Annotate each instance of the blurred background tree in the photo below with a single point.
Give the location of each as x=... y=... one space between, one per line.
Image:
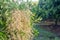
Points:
x=49 y=9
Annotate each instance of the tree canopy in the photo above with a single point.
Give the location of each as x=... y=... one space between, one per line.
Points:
x=49 y=9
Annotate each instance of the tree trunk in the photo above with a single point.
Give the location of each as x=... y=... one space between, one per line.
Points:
x=55 y=26
x=56 y=21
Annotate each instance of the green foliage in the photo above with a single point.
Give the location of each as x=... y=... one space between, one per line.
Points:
x=35 y=32
x=23 y=6
x=49 y=8
x=5 y=8
x=3 y=36
x=35 y=13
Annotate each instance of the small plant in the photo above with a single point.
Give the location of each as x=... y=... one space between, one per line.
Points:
x=15 y=22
